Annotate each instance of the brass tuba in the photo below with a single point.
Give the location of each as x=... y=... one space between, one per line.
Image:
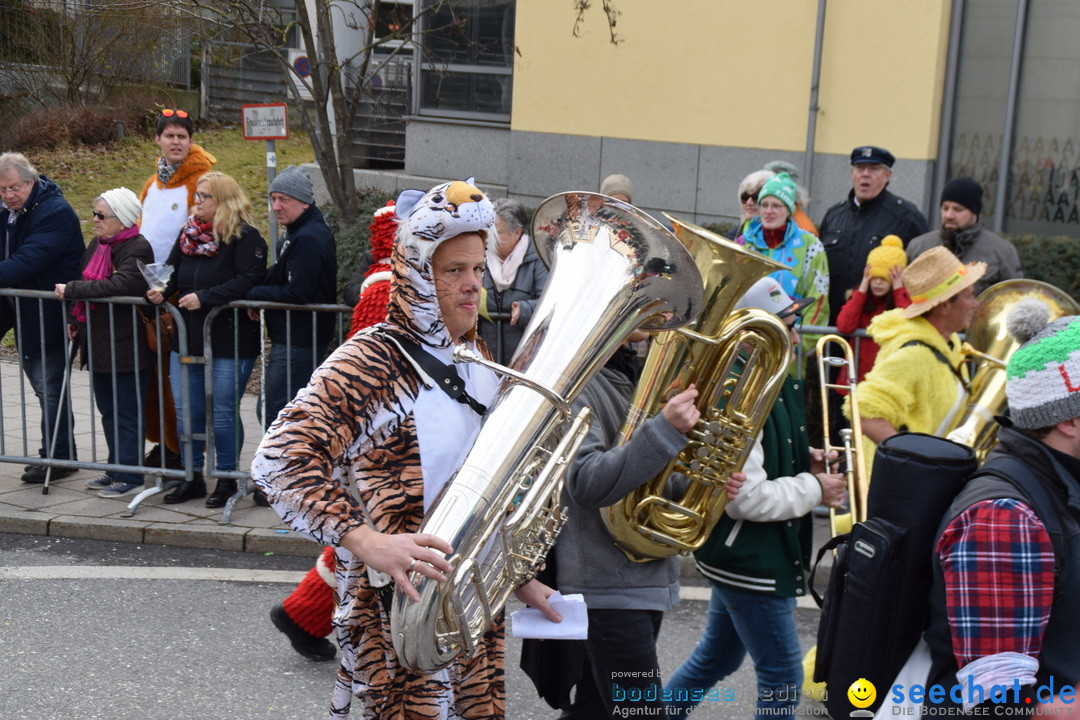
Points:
x=990 y=343
x=613 y=269
x=738 y=360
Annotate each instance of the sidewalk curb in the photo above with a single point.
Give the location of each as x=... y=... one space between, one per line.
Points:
x=209 y=536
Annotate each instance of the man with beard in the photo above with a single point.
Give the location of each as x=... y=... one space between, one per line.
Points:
x=964 y=235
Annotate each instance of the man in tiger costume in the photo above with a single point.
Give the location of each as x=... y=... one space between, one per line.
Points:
x=368 y=421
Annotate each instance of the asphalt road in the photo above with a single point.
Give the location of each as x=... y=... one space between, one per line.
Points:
x=112 y=631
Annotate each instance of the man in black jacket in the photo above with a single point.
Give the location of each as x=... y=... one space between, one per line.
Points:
x=305 y=272
x=854 y=227
x=41 y=244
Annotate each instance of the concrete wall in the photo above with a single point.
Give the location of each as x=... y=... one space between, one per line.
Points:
x=695 y=182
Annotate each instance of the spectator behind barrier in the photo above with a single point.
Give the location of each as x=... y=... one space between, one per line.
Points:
x=218 y=257
x=111 y=337
x=167 y=199
x=305 y=273
x=42 y=244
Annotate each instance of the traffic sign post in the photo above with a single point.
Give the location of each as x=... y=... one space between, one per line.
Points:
x=269 y=122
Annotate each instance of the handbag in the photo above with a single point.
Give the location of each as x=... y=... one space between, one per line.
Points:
x=151 y=323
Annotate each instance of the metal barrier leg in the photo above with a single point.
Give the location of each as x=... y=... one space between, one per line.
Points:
x=61 y=409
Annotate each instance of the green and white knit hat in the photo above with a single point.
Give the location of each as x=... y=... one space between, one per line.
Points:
x=781 y=187
x=1042 y=378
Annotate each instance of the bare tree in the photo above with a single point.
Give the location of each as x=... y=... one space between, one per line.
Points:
x=78 y=51
x=610 y=12
x=338 y=81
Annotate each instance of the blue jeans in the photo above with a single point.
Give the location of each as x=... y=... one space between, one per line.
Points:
x=230 y=375
x=46 y=376
x=741 y=621
x=124 y=420
x=288 y=369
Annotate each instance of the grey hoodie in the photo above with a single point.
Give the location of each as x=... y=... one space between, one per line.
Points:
x=587 y=560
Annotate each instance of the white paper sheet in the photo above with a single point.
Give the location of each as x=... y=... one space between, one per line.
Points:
x=530 y=623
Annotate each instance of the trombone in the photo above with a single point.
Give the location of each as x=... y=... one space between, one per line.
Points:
x=852 y=448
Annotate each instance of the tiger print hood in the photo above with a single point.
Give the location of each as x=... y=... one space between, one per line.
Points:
x=427 y=219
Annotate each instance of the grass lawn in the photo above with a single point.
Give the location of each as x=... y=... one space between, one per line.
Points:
x=83 y=173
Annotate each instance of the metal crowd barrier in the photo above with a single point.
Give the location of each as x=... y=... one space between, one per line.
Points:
x=20 y=413
x=344 y=316
x=20 y=409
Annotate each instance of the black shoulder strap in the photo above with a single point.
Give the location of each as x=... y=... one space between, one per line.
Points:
x=445 y=376
x=1019 y=475
x=941 y=358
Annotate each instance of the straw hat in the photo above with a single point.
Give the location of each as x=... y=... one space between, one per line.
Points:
x=935 y=276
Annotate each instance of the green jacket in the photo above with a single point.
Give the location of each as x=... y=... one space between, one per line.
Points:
x=769 y=557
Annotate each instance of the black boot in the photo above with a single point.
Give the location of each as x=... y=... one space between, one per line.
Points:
x=225 y=489
x=311 y=647
x=187 y=490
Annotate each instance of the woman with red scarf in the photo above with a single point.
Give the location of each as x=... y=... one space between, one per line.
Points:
x=113 y=342
x=218 y=257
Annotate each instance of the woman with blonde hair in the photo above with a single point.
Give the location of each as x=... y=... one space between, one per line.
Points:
x=218 y=257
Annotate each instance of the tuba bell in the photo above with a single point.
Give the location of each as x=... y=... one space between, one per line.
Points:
x=991 y=344
x=612 y=269
x=738 y=360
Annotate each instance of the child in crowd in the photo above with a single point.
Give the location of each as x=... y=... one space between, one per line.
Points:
x=881 y=289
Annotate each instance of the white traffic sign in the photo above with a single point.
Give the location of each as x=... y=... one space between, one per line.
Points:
x=268 y=121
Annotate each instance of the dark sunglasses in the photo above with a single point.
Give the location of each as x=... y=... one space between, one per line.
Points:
x=748 y=196
x=169 y=112
x=101 y=216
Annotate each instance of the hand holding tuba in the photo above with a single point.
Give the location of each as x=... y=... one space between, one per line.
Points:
x=738 y=361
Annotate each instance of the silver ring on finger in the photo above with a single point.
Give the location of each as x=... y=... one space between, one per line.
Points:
x=412 y=563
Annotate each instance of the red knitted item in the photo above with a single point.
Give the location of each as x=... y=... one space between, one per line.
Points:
x=371 y=307
x=311 y=604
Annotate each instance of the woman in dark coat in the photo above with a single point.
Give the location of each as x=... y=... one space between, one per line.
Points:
x=218 y=257
x=111 y=337
x=514 y=279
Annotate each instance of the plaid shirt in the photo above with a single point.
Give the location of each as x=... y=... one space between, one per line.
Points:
x=998 y=563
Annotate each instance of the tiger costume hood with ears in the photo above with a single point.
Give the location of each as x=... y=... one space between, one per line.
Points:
x=428 y=219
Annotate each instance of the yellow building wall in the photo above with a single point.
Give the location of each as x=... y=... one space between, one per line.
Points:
x=727 y=73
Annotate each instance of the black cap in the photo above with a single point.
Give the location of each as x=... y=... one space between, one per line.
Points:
x=964 y=191
x=872 y=154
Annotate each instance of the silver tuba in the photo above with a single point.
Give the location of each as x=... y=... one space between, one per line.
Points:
x=612 y=269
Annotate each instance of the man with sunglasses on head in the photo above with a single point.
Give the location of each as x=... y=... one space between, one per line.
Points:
x=169 y=194
x=167 y=200
x=41 y=244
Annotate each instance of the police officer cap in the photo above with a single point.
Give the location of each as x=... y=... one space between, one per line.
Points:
x=872 y=154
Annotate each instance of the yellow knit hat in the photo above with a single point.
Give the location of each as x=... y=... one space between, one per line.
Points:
x=884 y=256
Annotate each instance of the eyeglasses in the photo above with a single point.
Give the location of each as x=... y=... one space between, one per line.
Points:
x=13 y=190
x=102 y=216
x=797 y=323
x=772 y=206
x=747 y=196
x=169 y=112
x=200 y=197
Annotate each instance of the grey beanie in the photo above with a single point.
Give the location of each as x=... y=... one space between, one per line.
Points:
x=294 y=182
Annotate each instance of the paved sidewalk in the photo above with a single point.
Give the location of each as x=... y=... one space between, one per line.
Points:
x=72 y=510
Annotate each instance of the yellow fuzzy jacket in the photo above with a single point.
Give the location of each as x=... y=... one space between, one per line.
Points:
x=909 y=386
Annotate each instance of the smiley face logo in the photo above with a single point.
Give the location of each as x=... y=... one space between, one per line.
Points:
x=862 y=693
